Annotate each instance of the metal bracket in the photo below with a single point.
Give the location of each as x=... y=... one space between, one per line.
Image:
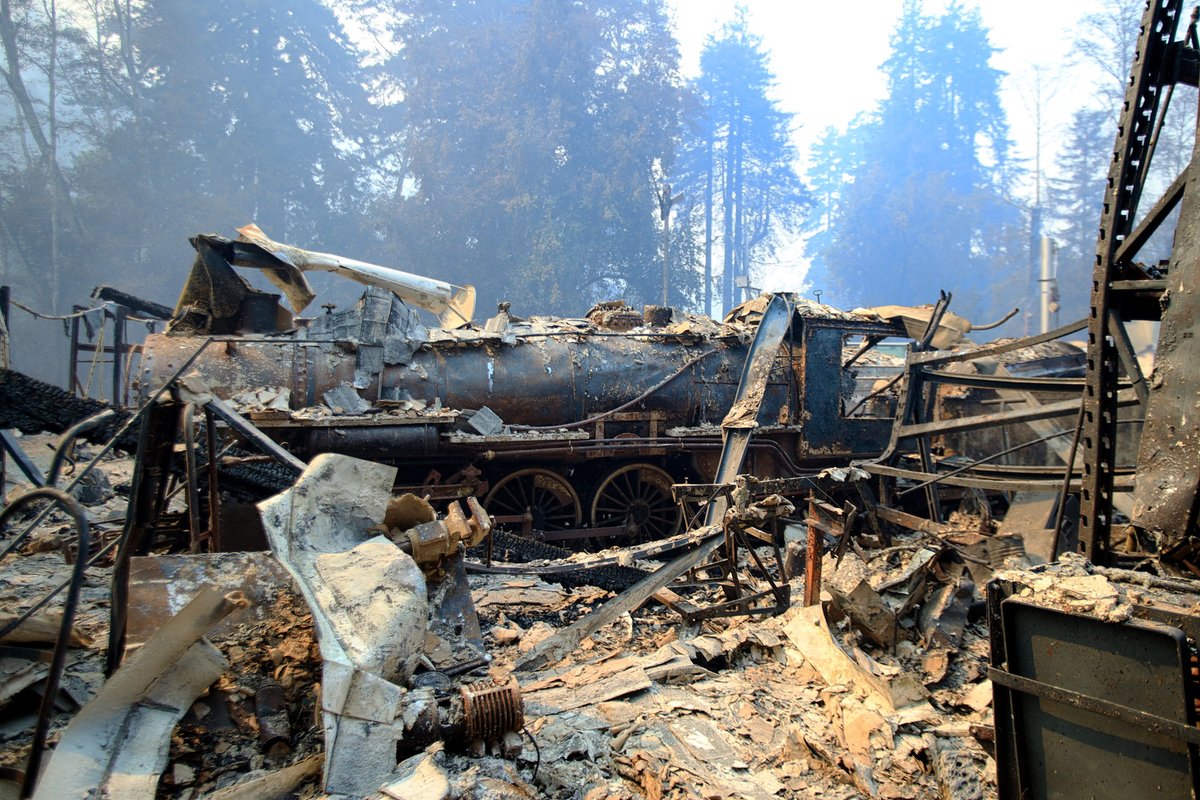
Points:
x=1094 y=705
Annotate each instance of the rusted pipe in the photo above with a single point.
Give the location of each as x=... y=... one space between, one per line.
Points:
x=992 y=325
x=812 y=558
x=274 y=728
x=58 y=660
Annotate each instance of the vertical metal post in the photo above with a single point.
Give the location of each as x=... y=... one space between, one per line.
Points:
x=5 y=293
x=1150 y=72
x=118 y=351
x=195 y=530
x=214 y=491
x=1044 y=287
x=72 y=378
x=812 y=558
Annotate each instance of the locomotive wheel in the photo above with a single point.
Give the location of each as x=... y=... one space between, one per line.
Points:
x=548 y=496
x=637 y=496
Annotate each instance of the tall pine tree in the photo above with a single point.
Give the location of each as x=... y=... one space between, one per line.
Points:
x=738 y=163
x=532 y=131
x=913 y=196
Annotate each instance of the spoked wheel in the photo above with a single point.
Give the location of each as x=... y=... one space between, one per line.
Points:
x=546 y=495
x=637 y=497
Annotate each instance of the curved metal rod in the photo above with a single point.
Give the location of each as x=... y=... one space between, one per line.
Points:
x=997 y=323
x=68 y=440
x=50 y=693
x=129 y=423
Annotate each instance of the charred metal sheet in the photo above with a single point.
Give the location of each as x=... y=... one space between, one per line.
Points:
x=118 y=744
x=216 y=300
x=369 y=606
x=455 y=304
x=160 y=586
x=453 y=617
x=1119 y=727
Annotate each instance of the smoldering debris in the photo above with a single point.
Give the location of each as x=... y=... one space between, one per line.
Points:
x=804 y=703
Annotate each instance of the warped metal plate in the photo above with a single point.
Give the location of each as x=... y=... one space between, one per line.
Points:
x=1067 y=752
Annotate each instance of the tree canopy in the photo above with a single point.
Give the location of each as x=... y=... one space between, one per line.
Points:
x=912 y=198
x=737 y=163
x=169 y=118
x=531 y=131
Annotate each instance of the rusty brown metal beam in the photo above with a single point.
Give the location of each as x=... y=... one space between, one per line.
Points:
x=248 y=430
x=1046 y=411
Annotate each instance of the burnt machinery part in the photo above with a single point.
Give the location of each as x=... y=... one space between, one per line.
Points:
x=545 y=380
x=492 y=708
x=547 y=496
x=519 y=550
x=638 y=497
x=33 y=406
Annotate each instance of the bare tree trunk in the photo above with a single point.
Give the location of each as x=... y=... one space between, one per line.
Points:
x=739 y=217
x=729 y=200
x=11 y=73
x=708 y=225
x=52 y=157
x=23 y=135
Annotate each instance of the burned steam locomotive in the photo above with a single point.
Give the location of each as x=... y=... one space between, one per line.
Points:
x=573 y=427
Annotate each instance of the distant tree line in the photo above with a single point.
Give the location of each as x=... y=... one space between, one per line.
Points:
x=519 y=145
x=534 y=148
x=914 y=196
x=921 y=193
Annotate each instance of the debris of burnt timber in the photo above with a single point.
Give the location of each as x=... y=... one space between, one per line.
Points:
x=797 y=553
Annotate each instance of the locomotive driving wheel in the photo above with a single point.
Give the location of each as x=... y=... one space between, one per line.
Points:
x=547 y=496
x=637 y=497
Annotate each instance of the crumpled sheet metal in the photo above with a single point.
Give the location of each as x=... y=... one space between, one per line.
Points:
x=455 y=304
x=118 y=745
x=369 y=606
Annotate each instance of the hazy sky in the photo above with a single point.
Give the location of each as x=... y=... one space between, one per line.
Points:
x=826 y=57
